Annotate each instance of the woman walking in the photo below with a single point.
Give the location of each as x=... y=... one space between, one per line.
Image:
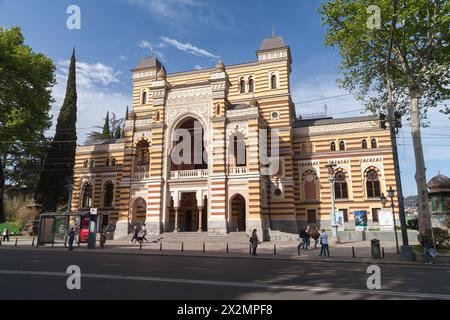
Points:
x=254 y=241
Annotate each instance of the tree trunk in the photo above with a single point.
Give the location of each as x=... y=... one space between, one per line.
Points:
x=421 y=180
x=2 y=188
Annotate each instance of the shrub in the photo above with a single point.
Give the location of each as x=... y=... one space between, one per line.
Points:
x=441 y=237
x=413 y=224
x=18 y=210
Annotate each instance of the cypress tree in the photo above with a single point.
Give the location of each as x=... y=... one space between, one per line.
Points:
x=106 y=132
x=126 y=114
x=57 y=174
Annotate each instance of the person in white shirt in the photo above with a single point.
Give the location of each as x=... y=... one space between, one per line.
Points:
x=324 y=242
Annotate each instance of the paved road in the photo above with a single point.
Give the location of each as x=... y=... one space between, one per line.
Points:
x=42 y=275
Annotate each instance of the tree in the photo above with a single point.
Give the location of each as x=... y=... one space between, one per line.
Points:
x=57 y=172
x=420 y=61
x=106 y=132
x=26 y=79
x=115 y=130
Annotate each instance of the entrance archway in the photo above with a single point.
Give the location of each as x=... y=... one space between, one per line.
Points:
x=138 y=214
x=238 y=214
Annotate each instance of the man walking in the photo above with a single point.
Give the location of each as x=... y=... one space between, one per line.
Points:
x=144 y=232
x=324 y=241
x=71 y=238
x=254 y=241
x=6 y=234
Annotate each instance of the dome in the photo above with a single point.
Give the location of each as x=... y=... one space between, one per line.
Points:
x=149 y=62
x=273 y=42
x=439 y=182
x=220 y=67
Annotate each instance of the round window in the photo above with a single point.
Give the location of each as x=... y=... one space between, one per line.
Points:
x=277 y=192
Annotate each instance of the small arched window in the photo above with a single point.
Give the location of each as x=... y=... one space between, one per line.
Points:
x=107 y=162
x=374 y=143
x=373 y=184
x=144 y=97
x=340 y=186
x=158 y=116
x=108 y=196
x=251 y=85
x=333 y=146
x=242 y=86
x=86 y=199
x=113 y=162
x=342 y=146
x=86 y=164
x=92 y=163
x=273 y=82
x=364 y=144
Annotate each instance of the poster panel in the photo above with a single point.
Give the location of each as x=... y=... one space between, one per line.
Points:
x=360 y=220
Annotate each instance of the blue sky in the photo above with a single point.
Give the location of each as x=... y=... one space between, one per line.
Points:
x=188 y=34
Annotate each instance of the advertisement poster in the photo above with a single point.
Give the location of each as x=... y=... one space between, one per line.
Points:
x=360 y=220
x=385 y=220
x=340 y=220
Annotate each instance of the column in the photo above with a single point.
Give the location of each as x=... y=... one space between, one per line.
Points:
x=176 y=220
x=200 y=216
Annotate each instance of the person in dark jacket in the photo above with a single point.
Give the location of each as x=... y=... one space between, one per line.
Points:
x=71 y=238
x=254 y=241
x=135 y=235
x=315 y=235
x=427 y=246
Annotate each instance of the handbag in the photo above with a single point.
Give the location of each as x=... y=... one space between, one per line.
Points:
x=433 y=252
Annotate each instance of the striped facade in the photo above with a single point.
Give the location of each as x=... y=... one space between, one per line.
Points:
x=240 y=109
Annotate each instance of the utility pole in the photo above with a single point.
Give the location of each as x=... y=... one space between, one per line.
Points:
x=406 y=251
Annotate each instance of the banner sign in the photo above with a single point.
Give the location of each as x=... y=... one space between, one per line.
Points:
x=385 y=220
x=360 y=220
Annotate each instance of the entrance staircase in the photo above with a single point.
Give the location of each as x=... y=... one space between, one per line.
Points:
x=202 y=237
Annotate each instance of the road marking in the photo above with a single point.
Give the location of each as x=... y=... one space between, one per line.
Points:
x=234 y=284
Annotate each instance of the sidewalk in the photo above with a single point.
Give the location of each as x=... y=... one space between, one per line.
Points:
x=267 y=250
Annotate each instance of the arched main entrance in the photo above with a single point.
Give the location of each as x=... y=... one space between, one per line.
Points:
x=238 y=214
x=138 y=214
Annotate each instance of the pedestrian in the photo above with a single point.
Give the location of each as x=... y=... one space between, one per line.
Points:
x=324 y=244
x=254 y=242
x=315 y=235
x=135 y=235
x=427 y=249
x=144 y=232
x=103 y=238
x=308 y=238
x=303 y=237
x=6 y=234
x=71 y=238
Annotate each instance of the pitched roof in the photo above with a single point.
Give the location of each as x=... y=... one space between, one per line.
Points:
x=328 y=121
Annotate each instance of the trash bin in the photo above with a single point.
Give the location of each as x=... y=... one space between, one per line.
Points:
x=375 y=249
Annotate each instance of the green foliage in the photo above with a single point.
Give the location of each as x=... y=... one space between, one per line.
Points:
x=413 y=224
x=13 y=227
x=106 y=132
x=421 y=50
x=115 y=127
x=26 y=79
x=57 y=171
x=19 y=209
x=441 y=237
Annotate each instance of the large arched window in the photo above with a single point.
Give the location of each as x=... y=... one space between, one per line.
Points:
x=113 y=162
x=251 y=85
x=142 y=156
x=340 y=185
x=144 y=97
x=333 y=146
x=342 y=146
x=310 y=181
x=273 y=82
x=239 y=152
x=364 y=144
x=374 y=143
x=242 y=86
x=372 y=184
x=108 y=195
x=86 y=196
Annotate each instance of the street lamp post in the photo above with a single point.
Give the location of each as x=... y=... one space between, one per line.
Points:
x=391 y=193
x=331 y=179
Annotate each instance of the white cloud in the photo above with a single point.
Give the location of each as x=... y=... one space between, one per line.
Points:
x=189 y=48
x=88 y=74
x=166 y=8
x=197 y=67
x=147 y=45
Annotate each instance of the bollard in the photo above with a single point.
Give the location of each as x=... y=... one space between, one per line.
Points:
x=227 y=248
x=15 y=245
x=298 y=250
x=140 y=246
x=353 y=252
x=160 y=246
x=32 y=242
x=204 y=248
x=53 y=243
x=382 y=251
x=182 y=246
x=0 y=242
x=78 y=244
x=275 y=249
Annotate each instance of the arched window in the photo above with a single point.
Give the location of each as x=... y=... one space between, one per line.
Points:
x=310 y=183
x=373 y=184
x=113 y=162
x=374 y=143
x=333 y=146
x=158 y=116
x=239 y=156
x=364 y=144
x=86 y=198
x=108 y=195
x=107 y=162
x=86 y=164
x=342 y=146
x=340 y=186
x=92 y=163
x=142 y=156
x=251 y=85
x=242 y=86
x=273 y=82
x=144 y=97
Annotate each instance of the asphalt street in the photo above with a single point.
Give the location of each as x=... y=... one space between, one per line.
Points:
x=31 y=274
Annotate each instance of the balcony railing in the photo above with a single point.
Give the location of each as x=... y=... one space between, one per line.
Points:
x=189 y=174
x=141 y=175
x=237 y=170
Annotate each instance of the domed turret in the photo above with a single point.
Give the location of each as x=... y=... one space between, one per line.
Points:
x=220 y=66
x=161 y=74
x=273 y=42
x=439 y=182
